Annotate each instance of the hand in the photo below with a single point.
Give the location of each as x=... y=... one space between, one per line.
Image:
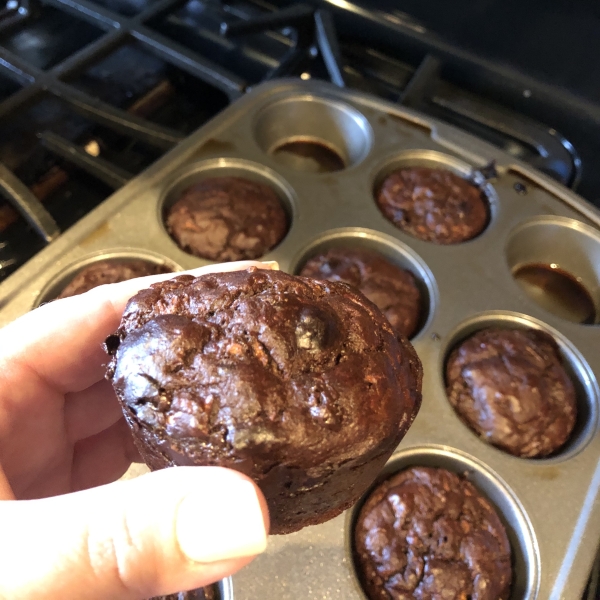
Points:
x=62 y=434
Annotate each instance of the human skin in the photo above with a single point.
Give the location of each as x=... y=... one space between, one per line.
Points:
x=69 y=529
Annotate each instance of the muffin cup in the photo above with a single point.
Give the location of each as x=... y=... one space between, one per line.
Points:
x=525 y=555
x=56 y=285
x=319 y=129
x=225 y=167
x=565 y=244
x=395 y=251
x=437 y=160
x=586 y=389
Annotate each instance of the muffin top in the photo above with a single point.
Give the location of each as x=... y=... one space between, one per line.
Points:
x=433 y=205
x=510 y=386
x=428 y=533
x=109 y=271
x=227 y=218
x=256 y=368
x=392 y=289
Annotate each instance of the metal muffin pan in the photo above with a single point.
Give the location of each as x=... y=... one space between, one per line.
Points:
x=551 y=506
x=518 y=527
x=573 y=245
x=55 y=286
x=394 y=250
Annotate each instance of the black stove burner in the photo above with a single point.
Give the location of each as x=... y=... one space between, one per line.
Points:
x=312 y=26
x=92 y=92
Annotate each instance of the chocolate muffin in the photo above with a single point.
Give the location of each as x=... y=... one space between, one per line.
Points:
x=510 y=387
x=300 y=384
x=392 y=289
x=429 y=534
x=227 y=218
x=205 y=593
x=433 y=205
x=109 y=271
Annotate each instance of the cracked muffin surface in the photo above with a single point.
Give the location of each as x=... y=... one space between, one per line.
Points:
x=392 y=289
x=110 y=271
x=227 y=218
x=300 y=384
x=428 y=534
x=510 y=387
x=433 y=205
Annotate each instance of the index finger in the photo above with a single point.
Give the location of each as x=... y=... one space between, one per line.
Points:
x=61 y=341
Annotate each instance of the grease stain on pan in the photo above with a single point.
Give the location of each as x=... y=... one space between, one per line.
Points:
x=101 y=231
x=214 y=146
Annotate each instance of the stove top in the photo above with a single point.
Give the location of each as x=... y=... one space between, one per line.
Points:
x=92 y=92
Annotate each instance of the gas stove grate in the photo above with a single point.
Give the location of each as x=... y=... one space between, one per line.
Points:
x=260 y=40
x=53 y=81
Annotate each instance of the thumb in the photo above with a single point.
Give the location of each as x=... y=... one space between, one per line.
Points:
x=168 y=531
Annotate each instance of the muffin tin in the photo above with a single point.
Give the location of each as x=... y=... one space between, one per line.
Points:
x=551 y=507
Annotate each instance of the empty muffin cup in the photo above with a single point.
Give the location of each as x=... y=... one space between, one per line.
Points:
x=556 y=262
x=312 y=134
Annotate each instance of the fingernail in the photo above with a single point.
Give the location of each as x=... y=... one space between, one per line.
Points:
x=271 y=264
x=225 y=524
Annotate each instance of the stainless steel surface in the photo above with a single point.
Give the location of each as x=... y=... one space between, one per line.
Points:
x=335 y=125
x=551 y=506
x=573 y=245
x=226 y=589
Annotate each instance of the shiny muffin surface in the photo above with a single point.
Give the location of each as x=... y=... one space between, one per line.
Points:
x=433 y=205
x=511 y=388
x=428 y=534
x=301 y=384
x=227 y=218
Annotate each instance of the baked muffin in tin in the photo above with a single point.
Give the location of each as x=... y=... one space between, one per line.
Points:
x=392 y=289
x=227 y=218
x=112 y=270
x=433 y=205
x=511 y=388
x=428 y=533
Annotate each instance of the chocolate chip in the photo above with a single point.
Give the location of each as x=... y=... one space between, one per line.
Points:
x=311 y=332
x=111 y=344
